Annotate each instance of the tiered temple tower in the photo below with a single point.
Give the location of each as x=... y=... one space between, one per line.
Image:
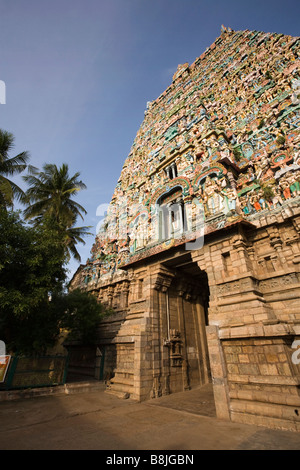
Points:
x=199 y=252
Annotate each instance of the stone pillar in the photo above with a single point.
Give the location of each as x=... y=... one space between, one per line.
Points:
x=110 y=294
x=185 y=365
x=165 y=328
x=219 y=373
x=181 y=216
x=199 y=315
x=161 y=281
x=240 y=255
x=173 y=169
x=124 y=294
x=276 y=243
x=170 y=229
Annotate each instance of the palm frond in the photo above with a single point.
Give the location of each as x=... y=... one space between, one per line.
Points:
x=6 y=192
x=6 y=143
x=50 y=199
x=15 y=164
x=10 y=166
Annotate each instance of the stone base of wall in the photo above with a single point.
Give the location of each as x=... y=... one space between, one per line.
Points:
x=259 y=414
x=263 y=382
x=256 y=380
x=226 y=313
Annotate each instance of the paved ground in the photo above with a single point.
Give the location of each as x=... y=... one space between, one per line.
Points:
x=96 y=420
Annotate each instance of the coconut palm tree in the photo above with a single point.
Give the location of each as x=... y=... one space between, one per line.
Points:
x=10 y=166
x=72 y=236
x=50 y=201
x=50 y=194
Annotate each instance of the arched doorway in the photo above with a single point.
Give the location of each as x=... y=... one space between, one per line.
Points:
x=184 y=317
x=170 y=215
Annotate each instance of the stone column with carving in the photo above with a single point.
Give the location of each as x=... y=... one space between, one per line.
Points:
x=161 y=281
x=110 y=294
x=124 y=294
x=276 y=242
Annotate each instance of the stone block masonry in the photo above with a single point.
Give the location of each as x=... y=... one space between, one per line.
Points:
x=199 y=254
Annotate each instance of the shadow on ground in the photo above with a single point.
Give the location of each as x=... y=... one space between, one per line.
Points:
x=198 y=401
x=97 y=420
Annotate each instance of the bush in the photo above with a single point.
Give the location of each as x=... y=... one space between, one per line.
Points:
x=80 y=313
x=31 y=267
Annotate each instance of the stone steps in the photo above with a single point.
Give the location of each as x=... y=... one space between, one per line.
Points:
x=121 y=384
x=123 y=395
x=67 y=389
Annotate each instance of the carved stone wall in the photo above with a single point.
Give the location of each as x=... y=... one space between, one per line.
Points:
x=263 y=382
x=199 y=254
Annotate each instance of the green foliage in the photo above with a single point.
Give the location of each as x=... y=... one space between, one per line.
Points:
x=51 y=192
x=280 y=140
x=237 y=154
x=10 y=166
x=268 y=192
x=268 y=75
x=33 y=306
x=33 y=257
x=31 y=268
x=80 y=314
x=50 y=201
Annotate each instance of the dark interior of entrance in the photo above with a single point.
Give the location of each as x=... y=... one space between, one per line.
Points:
x=186 y=309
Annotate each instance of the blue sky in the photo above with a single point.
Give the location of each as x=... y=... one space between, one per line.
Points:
x=78 y=74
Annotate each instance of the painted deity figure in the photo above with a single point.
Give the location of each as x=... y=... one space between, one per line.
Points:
x=139 y=233
x=254 y=201
x=276 y=199
x=214 y=198
x=251 y=174
x=263 y=203
x=263 y=166
x=231 y=197
x=293 y=181
x=244 y=204
x=212 y=145
x=203 y=200
x=285 y=188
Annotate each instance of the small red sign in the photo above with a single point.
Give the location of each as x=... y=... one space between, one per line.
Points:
x=4 y=363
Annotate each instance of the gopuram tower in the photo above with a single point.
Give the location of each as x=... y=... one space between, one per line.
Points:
x=199 y=252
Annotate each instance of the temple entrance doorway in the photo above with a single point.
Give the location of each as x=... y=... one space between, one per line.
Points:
x=187 y=318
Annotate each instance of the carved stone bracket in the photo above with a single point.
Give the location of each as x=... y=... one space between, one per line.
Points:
x=274 y=236
x=162 y=279
x=187 y=290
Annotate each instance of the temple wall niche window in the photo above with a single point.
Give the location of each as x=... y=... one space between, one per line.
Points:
x=140 y=288
x=171 y=220
x=269 y=263
x=176 y=211
x=171 y=171
x=227 y=265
